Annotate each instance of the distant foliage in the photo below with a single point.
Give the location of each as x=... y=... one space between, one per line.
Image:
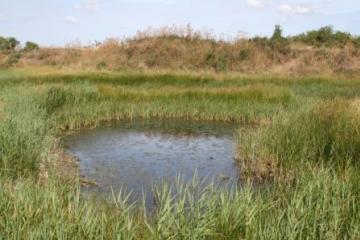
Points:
x=325 y=37
x=8 y=44
x=279 y=44
x=8 y=47
x=31 y=46
x=12 y=43
x=356 y=42
x=12 y=58
x=277 y=35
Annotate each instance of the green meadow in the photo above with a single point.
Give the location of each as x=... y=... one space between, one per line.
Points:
x=298 y=144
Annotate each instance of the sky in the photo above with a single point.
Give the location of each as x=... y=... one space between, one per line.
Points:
x=60 y=22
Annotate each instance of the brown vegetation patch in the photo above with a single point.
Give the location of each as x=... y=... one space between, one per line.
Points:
x=196 y=52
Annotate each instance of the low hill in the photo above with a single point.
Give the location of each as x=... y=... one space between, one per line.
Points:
x=323 y=51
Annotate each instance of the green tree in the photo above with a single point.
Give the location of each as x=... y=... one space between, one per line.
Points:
x=8 y=44
x=325 y=36
x=279 y=44
x=12 y=43
x=277 y=35
x=3 y=44
x=31 y=46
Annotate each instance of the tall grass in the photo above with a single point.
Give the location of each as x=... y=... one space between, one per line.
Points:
x=327 y=132
x=319 y=206
x=23 y=135
x=30 y=211
x=299 y=127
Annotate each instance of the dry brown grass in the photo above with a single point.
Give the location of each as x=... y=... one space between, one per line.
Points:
x=185 y=49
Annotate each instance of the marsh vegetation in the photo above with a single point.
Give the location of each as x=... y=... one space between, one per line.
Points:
x=301 y=150
x=294 y=102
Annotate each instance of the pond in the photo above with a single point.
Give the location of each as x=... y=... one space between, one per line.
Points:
x=135 y=156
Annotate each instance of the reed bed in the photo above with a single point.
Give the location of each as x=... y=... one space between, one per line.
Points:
x=320 y=206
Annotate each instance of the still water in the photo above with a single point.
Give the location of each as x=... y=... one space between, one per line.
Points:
x=135 y=156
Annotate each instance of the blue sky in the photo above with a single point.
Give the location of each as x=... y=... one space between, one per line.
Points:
x=58 y=22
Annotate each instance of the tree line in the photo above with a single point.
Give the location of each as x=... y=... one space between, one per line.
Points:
x=10 y=44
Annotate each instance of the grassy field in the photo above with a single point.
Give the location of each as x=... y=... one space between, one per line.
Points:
x=302 y=149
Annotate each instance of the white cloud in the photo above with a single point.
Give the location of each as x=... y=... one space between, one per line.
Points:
x=92 y=5
x=295 y=9
x=165 y=2
x=148 y=1
x=255 y=3
x=285 y=8
x=71 y=20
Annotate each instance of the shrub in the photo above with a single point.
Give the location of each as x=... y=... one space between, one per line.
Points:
x=31 y=46
x=217 y=61
x=3 y=44
x=13 y=58
x=244 y=54
x=277 y=35
x=356 y=42
x=8 y=44
x=325 y=37
x=101 y=65
x=278 y=43
x=13 y=43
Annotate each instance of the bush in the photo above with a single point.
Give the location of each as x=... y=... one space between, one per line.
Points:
x=3 y=44
x=278 y=43
x=244 y=54
x=325 y=37
x=8 y=44
x=217 y=61
x=356 y=42
x=13 y=58
x=101 y=65
x=277 y=35
x=31 y=46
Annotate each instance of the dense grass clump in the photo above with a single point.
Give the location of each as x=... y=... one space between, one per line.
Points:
x=23 y=135
x=327 y=132
x=56 y=97
x=325 y=36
